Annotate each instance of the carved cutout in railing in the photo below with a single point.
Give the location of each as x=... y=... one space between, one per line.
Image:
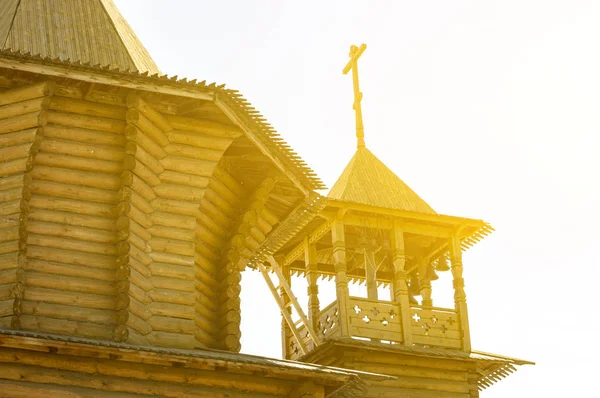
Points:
x=435 y=327
x=328 y=325
x=374 y=319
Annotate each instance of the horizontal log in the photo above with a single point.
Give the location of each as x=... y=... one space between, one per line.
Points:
x=69 y=312
x=87 y=122
x=215 y=228
x=194 y=152
x=227 y=208
x=179 y=178
x=139 y=325
x=71 y=244
x=203 y=250
x=69 y=205
x=13 y=167
x=135 y=101
x=174 y=284
x=208 y=237
x=81 y=149
x=68 y=327
x=72 y=231
x=173 y=220
x=135 y=150
x=80 y=271
x=203 y=168
x=137 y=254
x=136 y=118
x=172 y=296
x=182 y=272
x=11 y=201
x=140 y=267
x=9 y=247
x=204 y=126
x=140 y=170
x=27 y=92
x=138 y=137
x=180 y=207
x=71 y=257
x=6 y=292
x=83 y=135
x=133 y=212
x=230 y=182
x=140 y=280
x=24 y=107
x=23 y=122
x=9 y=261
x=78 y=163
x=88 y=108
x=69 y=283
x=174 y=325
x=223 y=191
x=68 y=218
x=138 y=185
x=76 y=177
x=215 y=213
x=206 y=339
x=179 y=192
x=10 y=221
x=14 y=152
x=135 y=240
x=49 y=188
x=171 y=310
x=137 y=293
x=19 y=137
x=128 y=195
x=140 y=310
x=173 y=340
x=162 y=231
x=14 y=182
x=87 y=300
x=125 y=223
x=174 y=246
x=6 y=308
x=199 y=140
x=171 y=258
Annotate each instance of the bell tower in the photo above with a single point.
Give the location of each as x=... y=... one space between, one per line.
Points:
x=375 y=230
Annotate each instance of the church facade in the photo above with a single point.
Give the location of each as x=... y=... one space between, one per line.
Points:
x=130 y=203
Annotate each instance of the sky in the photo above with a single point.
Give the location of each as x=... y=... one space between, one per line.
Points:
x=487 y=109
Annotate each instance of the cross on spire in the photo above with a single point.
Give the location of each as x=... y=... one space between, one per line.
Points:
x=355 y=53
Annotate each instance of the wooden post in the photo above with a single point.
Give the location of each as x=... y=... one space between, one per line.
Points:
x=400 y=286
x=286 y=333
x=371 y=273
x=425 y=283
x=460 y=297
x=341 y=280
x=310 y=250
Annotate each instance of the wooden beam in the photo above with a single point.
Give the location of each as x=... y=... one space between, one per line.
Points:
x=91 y=76
x=252 y=136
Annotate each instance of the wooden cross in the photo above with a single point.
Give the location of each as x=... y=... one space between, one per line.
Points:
x=355 y=53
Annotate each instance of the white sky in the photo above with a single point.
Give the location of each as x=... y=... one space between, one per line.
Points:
x=487 y=109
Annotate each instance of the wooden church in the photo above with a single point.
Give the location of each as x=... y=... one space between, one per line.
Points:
x=130 y=203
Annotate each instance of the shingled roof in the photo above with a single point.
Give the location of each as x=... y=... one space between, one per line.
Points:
x=367 y=180
x=86 y=31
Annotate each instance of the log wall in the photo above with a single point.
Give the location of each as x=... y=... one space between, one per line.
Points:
x=116 y=222
x=22 y=118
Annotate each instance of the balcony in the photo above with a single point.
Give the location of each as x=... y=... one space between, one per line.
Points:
x=380 y=321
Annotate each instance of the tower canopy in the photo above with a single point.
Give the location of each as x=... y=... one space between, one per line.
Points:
x=87 y=31
x=367 y=180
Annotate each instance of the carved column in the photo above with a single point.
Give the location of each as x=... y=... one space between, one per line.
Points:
x=371 y=271
x=460 y=298
x=341 y=279
x=425 y=283
x=400 y=294
x=286 y=333
x=313 y=290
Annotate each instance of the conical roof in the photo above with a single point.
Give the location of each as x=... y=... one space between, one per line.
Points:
x=367 y=180
x=91 y=31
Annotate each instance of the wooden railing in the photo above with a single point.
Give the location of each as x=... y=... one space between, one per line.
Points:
x=379 y=320
x=375 y=319
x=435 y=327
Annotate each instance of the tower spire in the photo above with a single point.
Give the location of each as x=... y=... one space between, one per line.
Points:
x=355 y=53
